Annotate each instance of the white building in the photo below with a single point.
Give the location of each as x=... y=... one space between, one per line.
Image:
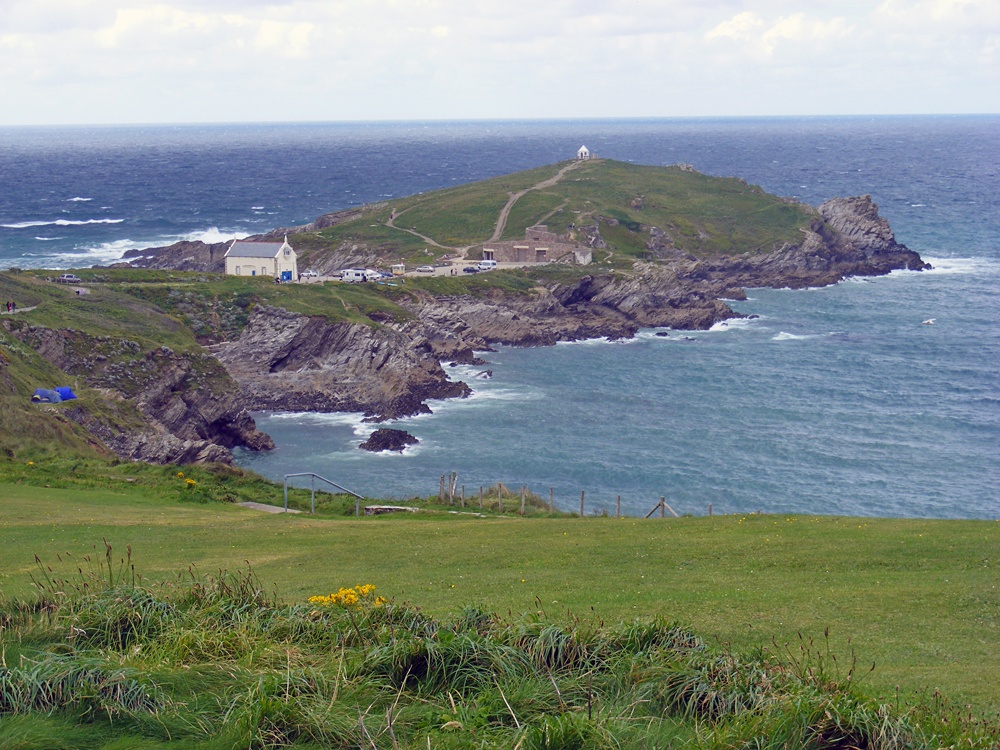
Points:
x=274 y=259
x=583 y=154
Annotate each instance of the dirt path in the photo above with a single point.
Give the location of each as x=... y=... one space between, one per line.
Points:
x=390 y=222
x=515 y=197
x=501 y=218
x=18 y=310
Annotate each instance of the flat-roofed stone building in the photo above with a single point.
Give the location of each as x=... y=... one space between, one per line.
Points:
x=538 y=246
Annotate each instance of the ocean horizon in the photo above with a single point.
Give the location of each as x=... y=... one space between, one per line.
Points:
x=837 y=400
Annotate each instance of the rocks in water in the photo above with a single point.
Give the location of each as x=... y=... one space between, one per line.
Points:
x=663 y=334
x=387 y=439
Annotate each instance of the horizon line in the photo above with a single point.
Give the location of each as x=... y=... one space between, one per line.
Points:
x=487 y=120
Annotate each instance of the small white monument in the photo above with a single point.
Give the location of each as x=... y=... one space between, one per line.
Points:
x=583 y=154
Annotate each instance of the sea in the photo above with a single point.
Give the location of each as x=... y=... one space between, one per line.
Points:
x=874 y=397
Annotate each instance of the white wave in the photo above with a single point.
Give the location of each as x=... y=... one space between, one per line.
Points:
x=212 y=235
x=784 y=336
x=256 y=208
x=962 y=265
x=49 y=239
x=79 y=200
x=106 y=252
x=60 y=223
x=733 y=324
x=917 y=205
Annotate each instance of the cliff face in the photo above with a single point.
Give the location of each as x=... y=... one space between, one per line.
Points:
x=183 y=407
x=287 y=361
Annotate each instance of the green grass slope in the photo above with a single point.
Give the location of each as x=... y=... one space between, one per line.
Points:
x=703 y=215
x=917 y=598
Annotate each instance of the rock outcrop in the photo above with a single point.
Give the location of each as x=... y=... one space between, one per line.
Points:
x=292 y=362
x=183 y=406
x=386 y=439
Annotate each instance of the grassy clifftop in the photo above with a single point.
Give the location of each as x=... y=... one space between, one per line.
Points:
x=698 y=215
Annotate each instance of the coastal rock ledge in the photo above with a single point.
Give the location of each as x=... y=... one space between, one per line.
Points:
x=387 y=439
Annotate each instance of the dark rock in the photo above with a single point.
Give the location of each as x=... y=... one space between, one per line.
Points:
x=387 y=439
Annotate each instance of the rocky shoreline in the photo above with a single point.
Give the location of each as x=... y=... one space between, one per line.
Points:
x=195 y=407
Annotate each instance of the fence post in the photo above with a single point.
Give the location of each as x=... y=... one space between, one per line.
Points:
x=523 y=491
x=441 y=490
x=709 y=509
x=500 y=497
x=550 y=500
x=581 y=503
x=312 y=495
x=480 y=497
x=286 y=495
x=618 y=507
x=463 y=495
x=663 y=505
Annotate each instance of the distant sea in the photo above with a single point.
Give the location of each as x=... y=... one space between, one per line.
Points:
x=833 y=401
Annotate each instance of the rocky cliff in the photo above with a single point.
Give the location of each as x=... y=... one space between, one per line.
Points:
x=161 y=406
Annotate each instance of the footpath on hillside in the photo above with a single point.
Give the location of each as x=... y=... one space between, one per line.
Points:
x=501 y=217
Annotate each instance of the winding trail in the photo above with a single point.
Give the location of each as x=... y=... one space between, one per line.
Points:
x=501 y=218
x=515 y=197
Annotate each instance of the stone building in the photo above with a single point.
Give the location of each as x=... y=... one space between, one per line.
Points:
x=538 y=246
x=274 y=259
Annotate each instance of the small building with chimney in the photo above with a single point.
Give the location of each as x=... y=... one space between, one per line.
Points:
x=276 y=260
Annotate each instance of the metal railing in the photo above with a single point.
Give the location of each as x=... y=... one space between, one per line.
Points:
x=312 y=481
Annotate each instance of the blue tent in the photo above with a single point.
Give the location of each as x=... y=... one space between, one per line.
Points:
x=65 y=392
x=45 y=396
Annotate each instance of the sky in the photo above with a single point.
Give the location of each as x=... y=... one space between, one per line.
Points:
x=182 y=61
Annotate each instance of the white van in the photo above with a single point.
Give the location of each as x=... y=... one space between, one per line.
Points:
x=486 y=265
x=353 y=276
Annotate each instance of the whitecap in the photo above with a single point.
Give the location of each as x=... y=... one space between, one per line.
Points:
x=104 y=253
x=784 y=336
x=79 y=200
x=733 y=324
x=49 y=239
x=256 y=208
x=213 y=235
x=962 y=265
x=60 y=223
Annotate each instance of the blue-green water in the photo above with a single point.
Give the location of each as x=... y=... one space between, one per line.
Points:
x=836 y=400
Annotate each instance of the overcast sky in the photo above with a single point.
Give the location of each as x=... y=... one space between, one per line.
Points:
x=138 y=61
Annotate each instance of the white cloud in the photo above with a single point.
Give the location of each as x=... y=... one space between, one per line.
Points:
x=169 y=60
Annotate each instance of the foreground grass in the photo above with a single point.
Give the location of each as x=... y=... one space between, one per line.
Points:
x=100 y=661
x=918 y=598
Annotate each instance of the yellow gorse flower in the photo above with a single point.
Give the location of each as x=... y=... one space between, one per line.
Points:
x=345 y=597
x=190 y=482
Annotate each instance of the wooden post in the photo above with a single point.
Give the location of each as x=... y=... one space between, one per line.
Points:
x=709 y=509
x=581 y=503
x=463 y=495
x=500 y=497
x=441 y=490
x=618 y=507
x=550 y=500
x=663 y=505
x=523 y=492
x=480 y=497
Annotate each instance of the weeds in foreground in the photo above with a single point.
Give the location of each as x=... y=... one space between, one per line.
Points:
x=98 y=660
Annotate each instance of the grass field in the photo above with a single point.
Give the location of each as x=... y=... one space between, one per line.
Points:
x=917 y=598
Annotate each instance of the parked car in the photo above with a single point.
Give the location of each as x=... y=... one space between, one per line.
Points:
x=486 y=265
x=470 y=269
x=69 y=278
x=425 y=269
x=310 y=274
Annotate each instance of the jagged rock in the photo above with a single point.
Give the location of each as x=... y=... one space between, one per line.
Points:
x=387 y=439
